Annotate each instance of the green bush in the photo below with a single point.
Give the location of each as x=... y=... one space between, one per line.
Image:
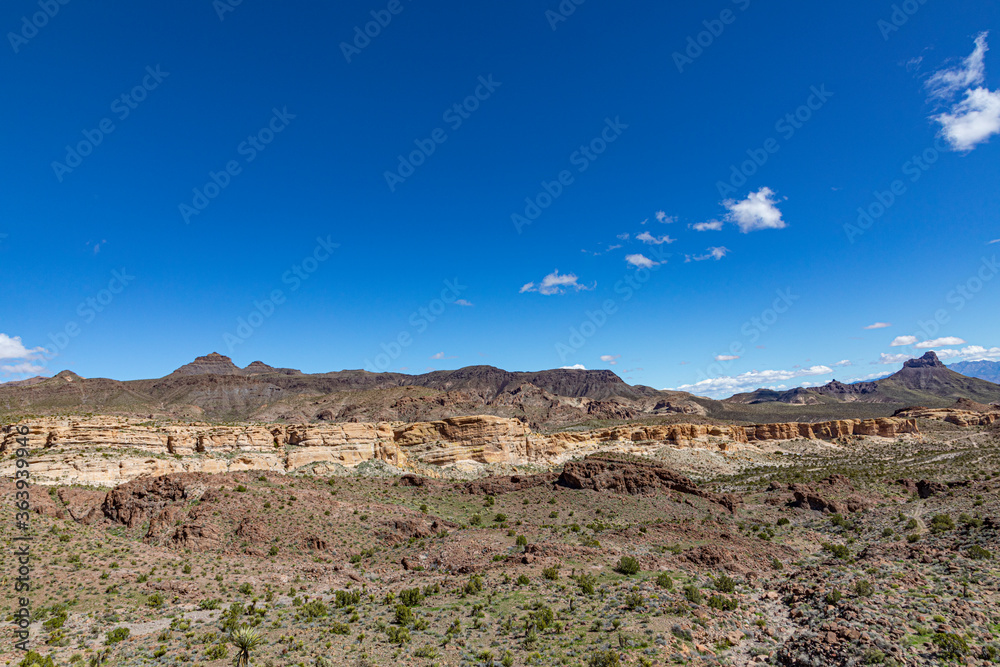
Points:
x=217 y=652
x=522 y=580
x=863 y=588
x=586 y=583
x=725 y=584
x=627 y=565
x=521 y=541
x=951 y=646
x=941 y=523
x=838 y=550
x=116 y=635
x=33 y=659
x=411 y=597
x=977 y=552
x=339 y=628
x=664 y=580
x=604 y=659
x=397 y=635
x=723 y=603
x=693 y=594
x=551 y=573
x=403 y=615
x=833 y=597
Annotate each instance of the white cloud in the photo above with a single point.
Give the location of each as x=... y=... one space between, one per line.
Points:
x=976 y=117
x=641 y=261
x=664 y=218
x=879 y=325
x=13 y=348
x=713 y=253
x=555 y=284
x=973 y=353
x=751 y=380
x=899 y=341
x=726 y=357
x=844 y=362
x=893 y=358
x=646 y=237
x=710 y=226
x=463 y=302
x=947 y=341
x=947 y=82
x=623 y=237
x=610 y=358
x=758 y=211
x=439 y=355
x=574 y=367
x=973 y=120
x=993 y=241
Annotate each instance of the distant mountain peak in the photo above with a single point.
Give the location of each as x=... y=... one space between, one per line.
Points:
x=929 y=360
x=210 y=364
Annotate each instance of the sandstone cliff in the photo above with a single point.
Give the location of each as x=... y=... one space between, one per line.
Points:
x=108 y=451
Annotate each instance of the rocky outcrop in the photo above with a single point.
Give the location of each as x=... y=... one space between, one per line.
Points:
x=635 y=478
x=954 y=415
x=835 y=494
x=108 y=451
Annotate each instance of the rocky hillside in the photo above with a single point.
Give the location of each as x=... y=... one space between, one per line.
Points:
x=213 y=388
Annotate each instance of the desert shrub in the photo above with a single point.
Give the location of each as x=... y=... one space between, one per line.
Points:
x=155 y=600
x=634 y=600
x=33 y=659
x=116 y=635
x=542 y=617
x=977 y=552
x=521 y=541
x=833 y=597
x=725 y=584
x=205 y=605
x=475 y=520
x=217 y=652
x=627 y=565
x=941 y=523
x=664 y=580
x=411 y=597
x=838 y=550
x=586 y=583
x=339 y=628
x=426 y=652
x=246 y=589
x=404 y=616
x=863 y=588
x=783 y=521
x=950 y=646
x=500 y=518
x=473 y=585
x=346 y=598
x=551 y=573
x=914 y=537
x=723 y=603
x=522 y=580
x=313 y=609
x=604 y=659
x=693 y=594
x=911 y=524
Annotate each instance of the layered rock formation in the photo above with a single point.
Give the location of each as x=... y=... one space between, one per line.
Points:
x=108 y=451
x=953 y=415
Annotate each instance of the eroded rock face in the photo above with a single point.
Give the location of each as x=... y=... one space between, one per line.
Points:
x=634 y=478
x=107 y=451
x=953 y=415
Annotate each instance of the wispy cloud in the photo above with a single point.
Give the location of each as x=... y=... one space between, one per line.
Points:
x=975 y=117
x=611 y=358
x=710 y=226
x=554 y=283
x=844 y=362
x=713 y=253
x=574 y=367
x=726 y=357
x=751 y=380
x=758 y=211
x=648 y=238
x=893 y=358
x=879 y=325
x=900 y=341
x=661 y=216
x=464 y=302
x=23 y=368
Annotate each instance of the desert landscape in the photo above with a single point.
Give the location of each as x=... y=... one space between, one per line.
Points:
x=487 y=518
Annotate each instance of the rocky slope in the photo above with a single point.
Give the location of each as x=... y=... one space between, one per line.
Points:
x=111 y=450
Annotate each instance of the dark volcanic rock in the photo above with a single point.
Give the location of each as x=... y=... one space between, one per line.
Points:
x=635 y=478
x=142 y=499
x=929 y=360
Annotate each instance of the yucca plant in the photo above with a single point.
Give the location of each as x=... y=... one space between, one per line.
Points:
x=246 y=640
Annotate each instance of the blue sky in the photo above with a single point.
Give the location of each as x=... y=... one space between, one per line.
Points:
x=640 y=187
